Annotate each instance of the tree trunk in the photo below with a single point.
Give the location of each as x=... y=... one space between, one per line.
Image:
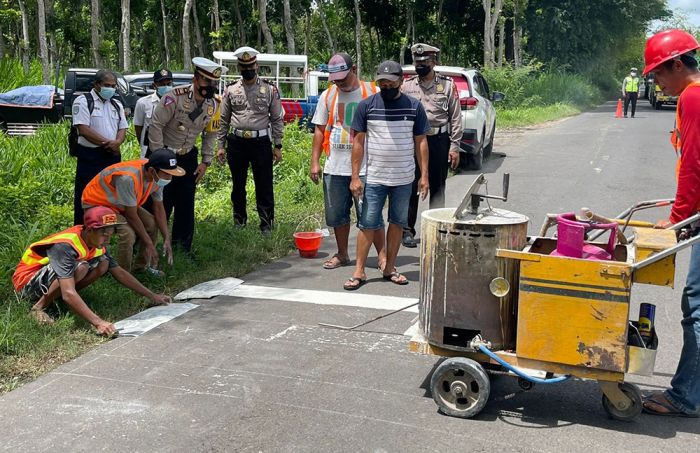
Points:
x=165 y=34
x=25 y=36
x=95 y=26
x=2 y=43
x=43 y=47
x=197 y=30
x=358 y=38
x=241 y=28
x=501 y=40
x=325 y=26
x=307 y=31
x=288 y=28
x=490 y=23
x=518 y=9
x=262 y=5
x=215 y=13
x=186 y=53
x=126 y=35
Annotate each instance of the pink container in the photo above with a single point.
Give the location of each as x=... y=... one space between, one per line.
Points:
x=571 y=242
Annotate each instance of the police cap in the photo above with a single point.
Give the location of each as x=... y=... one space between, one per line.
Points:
x=162 y=74
x=208 y=68
x=246 y=55
x=422 y=52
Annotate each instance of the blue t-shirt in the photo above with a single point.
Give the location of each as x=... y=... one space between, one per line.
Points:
x=390 y=128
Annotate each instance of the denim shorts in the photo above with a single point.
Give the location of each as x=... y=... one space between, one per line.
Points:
x=375 y=196
x=338 y=200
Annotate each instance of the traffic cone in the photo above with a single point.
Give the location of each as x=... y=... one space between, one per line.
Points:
x=618 y=112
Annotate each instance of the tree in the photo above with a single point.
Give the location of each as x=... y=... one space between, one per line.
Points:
x=358 y=36
x=197 y=31
x=288 y=27
x=490 y=23
x=25 y=35
x=331 y=42
x=264 y=27
x=95 y=26
x=186 y=53
x=43 y=48
x=165 y=33
x=518 y=20
x=125 y=35
x=239 y=19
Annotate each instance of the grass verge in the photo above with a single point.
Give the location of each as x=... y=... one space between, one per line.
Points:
x=528 y=116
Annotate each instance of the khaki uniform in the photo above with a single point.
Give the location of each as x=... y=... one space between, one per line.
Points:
x=251 y=108
x=440 y=99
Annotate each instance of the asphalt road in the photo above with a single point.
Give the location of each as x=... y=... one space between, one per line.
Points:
x=247 y=374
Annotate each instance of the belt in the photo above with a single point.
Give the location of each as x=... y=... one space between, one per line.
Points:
x=250 y=134
x=438 y=130
x=180 y=151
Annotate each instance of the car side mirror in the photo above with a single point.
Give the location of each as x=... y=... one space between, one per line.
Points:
x=497 y=96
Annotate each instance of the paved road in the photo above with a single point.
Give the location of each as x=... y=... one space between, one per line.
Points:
x=249 y=374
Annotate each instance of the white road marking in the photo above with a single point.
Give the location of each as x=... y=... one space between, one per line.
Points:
x=281 y=334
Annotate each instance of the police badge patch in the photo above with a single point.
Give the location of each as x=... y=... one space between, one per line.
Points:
x=168 y=101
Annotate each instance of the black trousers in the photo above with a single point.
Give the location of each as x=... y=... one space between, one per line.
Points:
x=90 y=162
x=256 y=153
x=438 y=153
x=179 y=196
x=631 y=97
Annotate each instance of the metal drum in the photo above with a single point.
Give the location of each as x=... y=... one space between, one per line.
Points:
x=458 y=266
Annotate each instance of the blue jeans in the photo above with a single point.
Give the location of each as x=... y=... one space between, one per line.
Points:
x=685 y=385
x=338 y=200
x=373 y=200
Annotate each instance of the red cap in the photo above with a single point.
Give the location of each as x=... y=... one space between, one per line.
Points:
x=100 y=217
x=666 y=45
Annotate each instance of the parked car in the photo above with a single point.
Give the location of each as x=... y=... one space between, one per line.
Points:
x=478 y=113
x=141 y=82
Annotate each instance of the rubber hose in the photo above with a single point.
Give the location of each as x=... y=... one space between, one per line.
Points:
x=520 y=373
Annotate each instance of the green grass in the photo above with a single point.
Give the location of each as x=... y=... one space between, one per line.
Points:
x=528 y=116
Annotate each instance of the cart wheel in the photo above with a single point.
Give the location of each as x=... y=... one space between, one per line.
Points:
x=460 y=387
x=633 y=409
x=525 y=384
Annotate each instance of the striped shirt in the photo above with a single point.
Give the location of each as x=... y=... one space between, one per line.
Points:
x=391 y=128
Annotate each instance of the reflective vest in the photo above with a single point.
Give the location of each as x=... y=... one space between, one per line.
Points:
x=101 y=191
x=631 y=84
x=676 y=135
x=331 y=112
x=34 y=258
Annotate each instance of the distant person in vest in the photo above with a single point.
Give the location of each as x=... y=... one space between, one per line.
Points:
x=630 y=90
x=333 y=136
x=102 y=126
x=671 y=56
x=125 y=187
x=62 y=264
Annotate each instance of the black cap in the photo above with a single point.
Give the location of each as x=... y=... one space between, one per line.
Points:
x=165 y=160
x=162 y=74
x=389 y=70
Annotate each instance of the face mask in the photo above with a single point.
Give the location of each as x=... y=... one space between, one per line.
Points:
x=248 y=74
x=423 y=70
x=389 y=94
x=163 y=90
x=160 y=182
x=633 y=74
x=107 y=92
x=207 y=91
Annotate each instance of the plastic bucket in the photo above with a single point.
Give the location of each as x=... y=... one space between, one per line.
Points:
x=308 y=243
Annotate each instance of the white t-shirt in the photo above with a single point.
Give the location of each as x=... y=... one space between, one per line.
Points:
x=105 y=119
x=142 y=117
x=339 y=162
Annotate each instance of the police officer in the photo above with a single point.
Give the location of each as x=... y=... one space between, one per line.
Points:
x=253 y=110
x=180 y=116
x=143 y=112
x=630 y=90
x=440 y=98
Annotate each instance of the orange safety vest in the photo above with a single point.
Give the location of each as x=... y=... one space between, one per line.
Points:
x=34 y=258
x=331 y=112
x=676 y=134
x=101 y=191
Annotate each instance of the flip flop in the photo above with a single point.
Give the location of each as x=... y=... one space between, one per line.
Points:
x=396 y=278
x=354 y=283
x=670 y=409
x=41 y=316
x=330 y=264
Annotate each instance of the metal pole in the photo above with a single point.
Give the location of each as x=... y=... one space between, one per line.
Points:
x=668 y=252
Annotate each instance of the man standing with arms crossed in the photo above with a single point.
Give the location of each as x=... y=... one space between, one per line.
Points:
x=671 y=56
x=440 y=99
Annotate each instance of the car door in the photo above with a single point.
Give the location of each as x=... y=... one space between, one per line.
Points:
x=489 y=111
x=478 y=91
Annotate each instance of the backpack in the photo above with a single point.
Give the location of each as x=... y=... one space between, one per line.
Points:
x=73 y=134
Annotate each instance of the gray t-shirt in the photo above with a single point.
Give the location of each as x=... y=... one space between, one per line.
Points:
x=126 y=195
x=63 y=259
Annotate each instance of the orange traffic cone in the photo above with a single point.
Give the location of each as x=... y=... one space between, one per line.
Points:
x=618 y=112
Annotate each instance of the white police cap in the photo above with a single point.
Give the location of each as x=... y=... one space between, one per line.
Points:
x=208 y=68
x=422 y=52
x=246 y=55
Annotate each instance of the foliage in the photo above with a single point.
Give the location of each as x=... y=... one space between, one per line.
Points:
x=13 y=75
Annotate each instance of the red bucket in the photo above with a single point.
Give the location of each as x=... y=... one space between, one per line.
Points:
x=308 y=243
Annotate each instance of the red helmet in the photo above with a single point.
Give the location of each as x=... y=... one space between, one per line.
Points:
x=666 y=45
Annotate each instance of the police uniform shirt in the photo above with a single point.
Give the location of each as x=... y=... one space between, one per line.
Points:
x=171 y=126
x=142 y=117
x=105 y=119
x=440 y=98
x=252 y=108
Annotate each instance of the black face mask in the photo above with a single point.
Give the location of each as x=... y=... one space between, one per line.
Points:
x=422 y=70
x=389 y=94
x=248 y=74
x=207 y=91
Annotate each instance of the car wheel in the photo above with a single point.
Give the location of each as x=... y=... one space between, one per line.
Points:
x=489 y=148
x=475 y=161
x=657 y=105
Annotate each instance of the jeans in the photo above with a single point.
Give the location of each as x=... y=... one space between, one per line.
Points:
x=685 y=385
x=338 y=200
x=375 y=196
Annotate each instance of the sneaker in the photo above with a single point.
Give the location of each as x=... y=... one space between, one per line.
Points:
x=266 y=232
x=408 y=241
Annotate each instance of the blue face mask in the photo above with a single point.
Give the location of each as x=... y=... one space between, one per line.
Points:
x=162 y=182
x=163 y=90
x=107 y=92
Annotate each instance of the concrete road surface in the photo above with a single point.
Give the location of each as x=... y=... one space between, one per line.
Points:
x=255 y=373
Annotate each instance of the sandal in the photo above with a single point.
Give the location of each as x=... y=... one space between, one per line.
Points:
x=41 y=316
x=669 y=410
x=354 y=283
x=396 y=278
x=334 y=262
